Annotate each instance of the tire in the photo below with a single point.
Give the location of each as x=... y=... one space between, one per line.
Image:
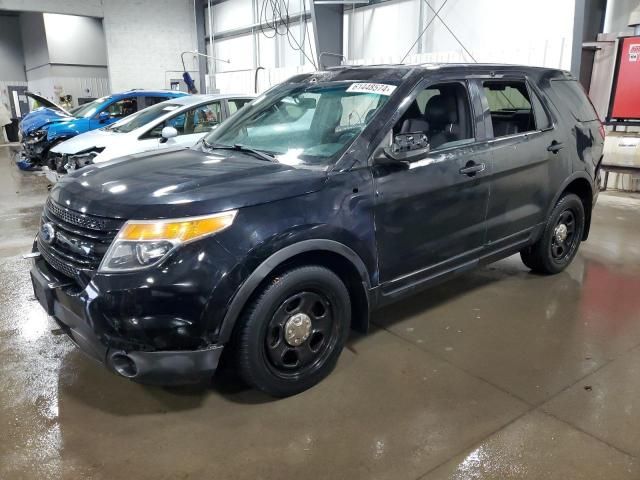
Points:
x=550 y=254
x=291 y=334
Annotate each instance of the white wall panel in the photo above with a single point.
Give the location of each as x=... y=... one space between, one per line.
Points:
x=75 y=40
x=244 y=82
x=239 y=50
x=382 y=30
x=231 y=14
x=145 y=39
x=504 y=31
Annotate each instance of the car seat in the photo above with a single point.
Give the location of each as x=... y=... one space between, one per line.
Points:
x=442 y=115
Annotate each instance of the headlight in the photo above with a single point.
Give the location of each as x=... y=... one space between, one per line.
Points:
x=37 y=136
x=143 y=243
x=82 y=159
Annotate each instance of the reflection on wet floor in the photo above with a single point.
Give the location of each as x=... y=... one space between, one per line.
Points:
x=484 y=376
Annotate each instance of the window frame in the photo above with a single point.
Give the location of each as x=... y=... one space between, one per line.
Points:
x=200 y=105
x=105 y=108
x=227 y=101
x=479 y=80
x=479 y=134
x=146 y=135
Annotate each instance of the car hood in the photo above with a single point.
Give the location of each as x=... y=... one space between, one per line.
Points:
x=45 y=102
x=181 y=183
x=85 y=141
x=42 y=117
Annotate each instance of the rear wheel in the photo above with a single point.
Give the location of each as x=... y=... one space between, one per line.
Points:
x=559 y=242
x=291 y=335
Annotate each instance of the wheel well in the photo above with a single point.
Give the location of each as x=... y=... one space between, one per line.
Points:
x=347 y=272
x=582 y=189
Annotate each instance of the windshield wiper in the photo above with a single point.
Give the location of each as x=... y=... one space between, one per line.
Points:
x=241 y=148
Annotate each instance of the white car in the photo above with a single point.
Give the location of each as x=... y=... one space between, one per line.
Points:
x=176 y=122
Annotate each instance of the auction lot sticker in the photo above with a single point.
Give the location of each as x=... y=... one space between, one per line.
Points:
x=379 y=88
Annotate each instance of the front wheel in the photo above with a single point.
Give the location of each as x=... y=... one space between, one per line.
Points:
x=559 y=242
x=291 y=335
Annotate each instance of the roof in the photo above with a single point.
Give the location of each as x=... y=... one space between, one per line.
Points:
x=396 y=72
x=195 y=99
x=140 y=91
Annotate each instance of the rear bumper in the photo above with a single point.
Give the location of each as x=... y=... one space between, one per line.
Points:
x=75 y=313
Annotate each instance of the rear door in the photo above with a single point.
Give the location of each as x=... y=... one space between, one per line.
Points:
x=525 y=159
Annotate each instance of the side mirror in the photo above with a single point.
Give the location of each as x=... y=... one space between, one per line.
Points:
x=103 y=117
x=167 y=133
x=408 y=147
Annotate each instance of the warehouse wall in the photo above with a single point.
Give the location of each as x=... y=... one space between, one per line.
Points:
x=92 y=8
x=11 y=54
x=539 y=33
x=34 y=41
x=64 y=55
x=617 y=16
x=145 y=39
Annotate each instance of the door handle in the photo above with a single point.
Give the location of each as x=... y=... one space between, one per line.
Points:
x=471 y=168
x=554 y=147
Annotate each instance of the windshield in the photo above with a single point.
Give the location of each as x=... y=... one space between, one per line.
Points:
x=141 y=118
x=88 y=109
x=304 y=124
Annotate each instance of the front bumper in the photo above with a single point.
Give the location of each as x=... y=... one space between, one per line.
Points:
x=74 y=310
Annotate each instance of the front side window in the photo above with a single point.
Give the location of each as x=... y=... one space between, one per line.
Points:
x=142 y=118
x=311 y=124
x=510 y=107
x=443 y=113
x=88 y=110
x=200 y=119
x=122 y=108
x=203 y=118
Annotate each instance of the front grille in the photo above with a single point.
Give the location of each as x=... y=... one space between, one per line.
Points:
x=80 y=240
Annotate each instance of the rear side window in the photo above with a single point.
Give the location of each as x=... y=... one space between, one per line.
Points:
x=236 y=104
x=148 y=101
x=573 y=97
x=510 y=107
x=542 y=118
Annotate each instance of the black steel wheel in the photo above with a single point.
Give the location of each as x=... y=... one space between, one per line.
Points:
x=301 y=332
x=560 y=240
x=290 y=337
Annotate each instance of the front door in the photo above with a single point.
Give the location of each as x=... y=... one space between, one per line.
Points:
x=430 y=213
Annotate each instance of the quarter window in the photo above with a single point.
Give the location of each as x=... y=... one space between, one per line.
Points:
x=510 y=107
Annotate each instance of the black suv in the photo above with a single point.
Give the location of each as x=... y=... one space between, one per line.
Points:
x=328 y=196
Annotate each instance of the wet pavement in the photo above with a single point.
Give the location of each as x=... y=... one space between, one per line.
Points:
x=496 y=374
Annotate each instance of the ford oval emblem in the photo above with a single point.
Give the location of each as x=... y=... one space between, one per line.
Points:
x=47 y=233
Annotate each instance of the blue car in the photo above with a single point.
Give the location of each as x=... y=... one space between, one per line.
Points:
x=51 y=124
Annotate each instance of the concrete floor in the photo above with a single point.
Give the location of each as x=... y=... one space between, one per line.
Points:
x=497 y=374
